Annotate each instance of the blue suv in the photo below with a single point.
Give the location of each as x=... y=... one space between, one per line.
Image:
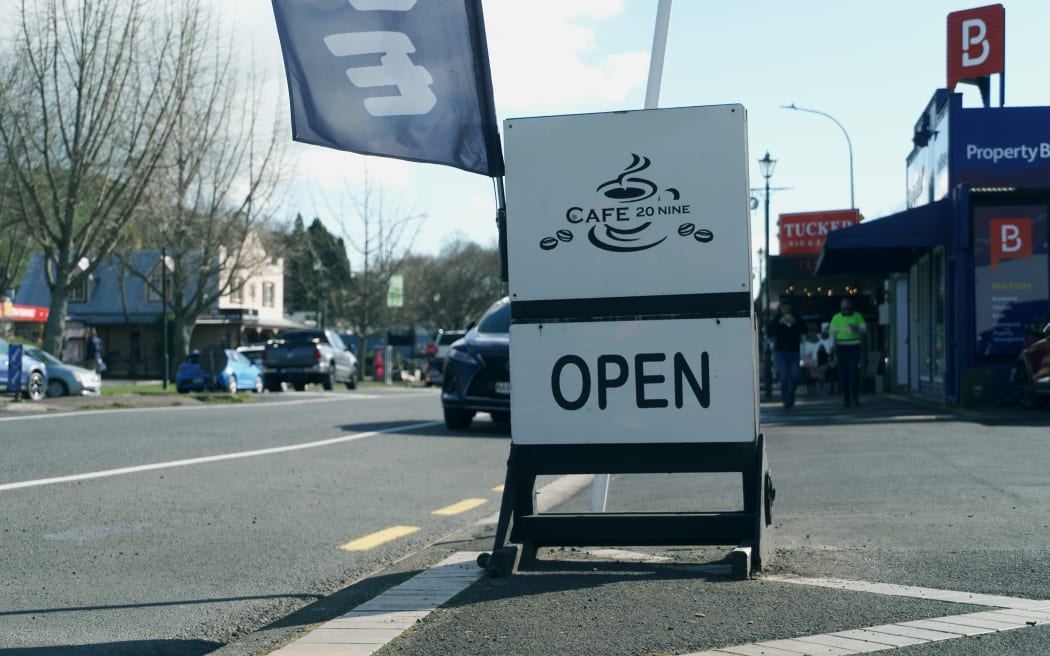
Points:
x=476 y=377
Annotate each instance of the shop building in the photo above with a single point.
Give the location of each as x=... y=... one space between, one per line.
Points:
x=967 y=264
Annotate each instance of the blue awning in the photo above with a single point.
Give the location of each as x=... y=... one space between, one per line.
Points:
x=886 y=245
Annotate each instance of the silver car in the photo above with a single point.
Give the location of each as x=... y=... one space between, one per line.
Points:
x=67 y=379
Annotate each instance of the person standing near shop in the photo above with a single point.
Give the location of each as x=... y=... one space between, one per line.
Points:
x=93 y=351
x=786 y=330
x=847 y=329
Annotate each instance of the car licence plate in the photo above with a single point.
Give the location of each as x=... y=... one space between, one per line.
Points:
x=198 y=381
x=503 y=387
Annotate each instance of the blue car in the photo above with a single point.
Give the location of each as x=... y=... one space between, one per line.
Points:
x=239 y=374
x=34 y=374
x=477 y=370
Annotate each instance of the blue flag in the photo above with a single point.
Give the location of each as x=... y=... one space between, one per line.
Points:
x=407 y=79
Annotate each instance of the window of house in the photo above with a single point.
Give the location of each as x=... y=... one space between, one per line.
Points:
x=268 y=294
x=237 y=293
x=155 y=284
x=78 y=293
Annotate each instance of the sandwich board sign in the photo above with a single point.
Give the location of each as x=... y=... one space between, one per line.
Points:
x=633 y=339
x=630 y=278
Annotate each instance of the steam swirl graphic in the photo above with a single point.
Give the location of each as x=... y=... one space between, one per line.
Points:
x=626 y=189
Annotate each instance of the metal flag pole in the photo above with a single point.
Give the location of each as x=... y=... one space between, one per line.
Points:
x=600 y=486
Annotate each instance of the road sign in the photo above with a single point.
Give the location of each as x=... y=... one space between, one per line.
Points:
x=14 y=368
x=395 y=293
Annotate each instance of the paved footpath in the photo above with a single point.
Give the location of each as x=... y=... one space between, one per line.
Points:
x=901 y=579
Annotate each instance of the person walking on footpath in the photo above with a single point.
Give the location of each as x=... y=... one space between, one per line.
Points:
x=786 y=330
x=93 y=352
x=847 y=328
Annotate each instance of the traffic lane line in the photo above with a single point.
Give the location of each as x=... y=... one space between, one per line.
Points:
x=373 y=540
x=138 y=469
x=460 y=507
x=552 y=494
x=45 y=412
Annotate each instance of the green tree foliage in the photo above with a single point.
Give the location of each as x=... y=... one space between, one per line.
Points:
x=451 y=289
x=317 y=272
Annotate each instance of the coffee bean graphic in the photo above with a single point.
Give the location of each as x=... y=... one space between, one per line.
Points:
x=564 y=235
x=686 y=229
x=548 y=243
x=703 y=235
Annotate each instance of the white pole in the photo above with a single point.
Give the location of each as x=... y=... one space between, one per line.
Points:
x=656 y=59
x=600 y=486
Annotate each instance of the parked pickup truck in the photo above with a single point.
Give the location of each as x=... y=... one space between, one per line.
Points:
x=308 y=356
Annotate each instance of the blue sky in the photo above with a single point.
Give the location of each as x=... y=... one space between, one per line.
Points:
x=873 y=66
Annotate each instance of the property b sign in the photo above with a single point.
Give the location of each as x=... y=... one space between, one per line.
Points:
x=976 y=43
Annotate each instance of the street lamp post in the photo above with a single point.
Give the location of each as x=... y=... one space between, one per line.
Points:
x=164 y=313
x=852 y=203
x=766 y=164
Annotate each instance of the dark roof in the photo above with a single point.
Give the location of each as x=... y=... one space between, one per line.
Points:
x=886 y=245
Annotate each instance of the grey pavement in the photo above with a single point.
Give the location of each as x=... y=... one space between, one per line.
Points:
x=898 y=527
x=902 y=527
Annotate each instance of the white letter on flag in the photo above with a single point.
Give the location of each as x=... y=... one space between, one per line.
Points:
x=395 y=69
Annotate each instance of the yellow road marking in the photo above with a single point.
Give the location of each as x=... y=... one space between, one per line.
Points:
x=461 y=507
x=379 y=537
x=498 y=488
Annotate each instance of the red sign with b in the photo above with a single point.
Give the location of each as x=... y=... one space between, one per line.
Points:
x=1011 y=239
x=976 y=43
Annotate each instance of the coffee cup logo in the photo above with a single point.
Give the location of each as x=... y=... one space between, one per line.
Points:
x=632 y=214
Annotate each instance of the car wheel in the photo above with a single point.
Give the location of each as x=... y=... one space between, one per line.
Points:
x=182 y=390
x=35 y=387
x=458 y=419
x=352 y=383
x=329 y=381
x=299 y=387
x=1024 y=392
x=500 y=417
x=231 y=386
x=258 y=389
x=57 y=388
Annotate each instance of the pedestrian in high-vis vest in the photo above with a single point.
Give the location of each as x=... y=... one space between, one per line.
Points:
x=847 y=330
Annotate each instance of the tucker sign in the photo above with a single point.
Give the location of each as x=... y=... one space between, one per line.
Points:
x=803 y=233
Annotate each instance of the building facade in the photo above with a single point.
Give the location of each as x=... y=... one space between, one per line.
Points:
x=125 y=309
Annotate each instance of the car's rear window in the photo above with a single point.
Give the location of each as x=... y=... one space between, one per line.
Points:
x=496 y=319
x=301 y=337
x=447 y=338
x=193 y=358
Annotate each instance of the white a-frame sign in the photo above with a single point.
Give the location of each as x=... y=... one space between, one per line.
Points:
x=632 y=322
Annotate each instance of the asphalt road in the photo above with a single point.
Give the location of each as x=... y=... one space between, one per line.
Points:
x=177 y=530
x=242 y=555
x=891 y=493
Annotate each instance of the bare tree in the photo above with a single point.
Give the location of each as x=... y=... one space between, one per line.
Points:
x=14 y=247
x=382 y=238
x=87 y=97
x=210 y=192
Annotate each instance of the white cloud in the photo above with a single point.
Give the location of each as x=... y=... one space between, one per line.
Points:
x=544 y=56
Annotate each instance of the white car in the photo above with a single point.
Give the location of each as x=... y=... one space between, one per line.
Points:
x=66 y=379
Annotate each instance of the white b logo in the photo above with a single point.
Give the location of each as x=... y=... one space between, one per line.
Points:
x=975 y=32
